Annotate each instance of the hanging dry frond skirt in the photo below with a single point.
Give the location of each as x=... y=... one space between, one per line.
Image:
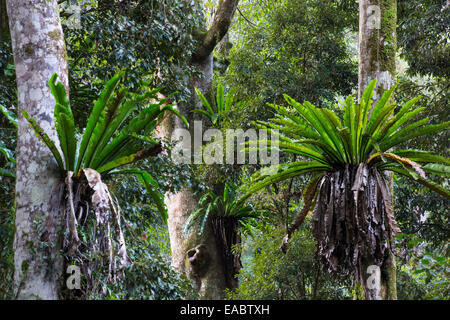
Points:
x=89 y=194
x=353 y=219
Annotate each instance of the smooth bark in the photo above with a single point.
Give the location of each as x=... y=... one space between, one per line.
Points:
x=191 y=251
x=193 y=254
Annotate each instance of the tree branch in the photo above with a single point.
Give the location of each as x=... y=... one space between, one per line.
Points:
x=245 y=18
x=298 y=221
x=218 y=29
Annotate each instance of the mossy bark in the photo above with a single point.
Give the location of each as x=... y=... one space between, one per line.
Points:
x=391 y=279
x=377 y=60
x=377 y=44
x=387 y=289
x=219 y=28
x=358 y=291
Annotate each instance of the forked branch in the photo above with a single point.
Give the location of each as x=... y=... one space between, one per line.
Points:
x=218 y=29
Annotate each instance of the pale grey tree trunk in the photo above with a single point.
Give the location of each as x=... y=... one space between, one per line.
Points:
x=377 y=60
x=39 y=51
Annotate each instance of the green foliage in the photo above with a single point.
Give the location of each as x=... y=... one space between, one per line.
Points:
x=8 y=94
x=418 y=210
x=422 y=212
x=423 y=215
x=9 y=115
x=435 y=95
x=7 y=214
x=331 y=142
x=216 y=113
x=7 y=153
x=151 y=39
x=348 y=193
x=152 y=188
x=423 y=36
x=225 y=206
x=296 y=47
x=423 y=271
x=151 y=276
x=8 y=132
x=296 y=275
x=108 y=142
x=302 y=47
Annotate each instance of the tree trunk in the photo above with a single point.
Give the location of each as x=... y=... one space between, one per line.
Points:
x=193 y=254
x=39 y=51
x=377 y=52
x=377 y=44
x=387 y=289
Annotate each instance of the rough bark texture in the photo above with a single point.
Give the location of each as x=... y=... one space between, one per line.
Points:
x=377 y=51
x=377 y=44
x=39 y=51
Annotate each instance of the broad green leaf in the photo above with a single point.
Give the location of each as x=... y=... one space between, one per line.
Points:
x=99 y=106
x=65 y=129
x=406 y=135
x=437 y=169
x=291 y=170
x=220 y=98
x=7 y=153
x=9 y=115
x=7 y=173
x=426 y=182
x=204 y=101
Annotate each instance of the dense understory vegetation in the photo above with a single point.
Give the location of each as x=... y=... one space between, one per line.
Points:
x=304 y=49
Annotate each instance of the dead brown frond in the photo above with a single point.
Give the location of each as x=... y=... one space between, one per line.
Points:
x=353 y=219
